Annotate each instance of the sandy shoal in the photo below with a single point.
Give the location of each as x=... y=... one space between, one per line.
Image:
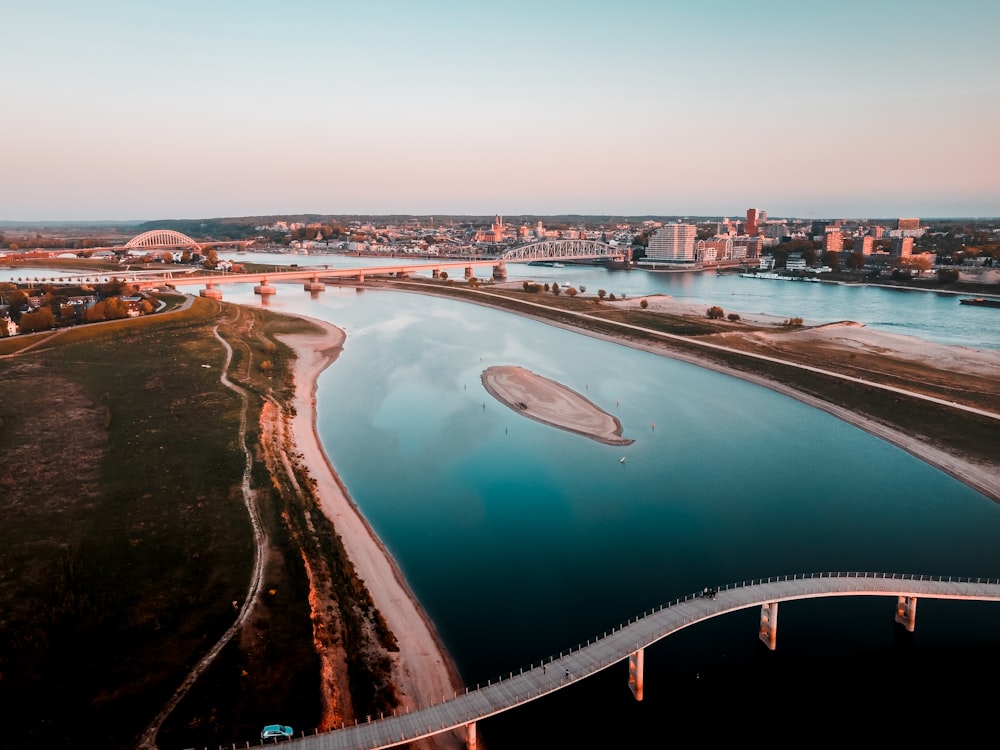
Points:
x=551 y=403
x=423 y=671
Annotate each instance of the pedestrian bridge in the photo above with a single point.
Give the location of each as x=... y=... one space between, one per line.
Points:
x=628 y=641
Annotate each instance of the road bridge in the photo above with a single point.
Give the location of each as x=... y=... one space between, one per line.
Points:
x=313 y=276
x=629 y=641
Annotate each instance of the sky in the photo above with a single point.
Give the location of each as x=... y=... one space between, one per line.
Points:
x=140 y=110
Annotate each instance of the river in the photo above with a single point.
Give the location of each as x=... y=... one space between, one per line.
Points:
x=521 y=540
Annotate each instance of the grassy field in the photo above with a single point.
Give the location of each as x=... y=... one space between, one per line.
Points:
x=128 y=541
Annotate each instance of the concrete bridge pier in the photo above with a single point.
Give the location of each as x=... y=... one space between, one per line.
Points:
x=210 y=291
x=361 y=278
x=769 y=624
x=470 y=735
x=264 y=289
x=468 y=272
x=314 y=285
x=906 y=612
x=635 y=669
x=500 y=271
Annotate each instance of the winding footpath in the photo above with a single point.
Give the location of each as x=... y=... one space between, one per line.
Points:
x=148 y=739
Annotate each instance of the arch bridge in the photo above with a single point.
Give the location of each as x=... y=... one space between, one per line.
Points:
x=563 y=250
x=628 y=642
x=160 y=238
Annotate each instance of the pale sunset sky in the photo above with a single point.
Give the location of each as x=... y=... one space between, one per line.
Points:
x=127 y=110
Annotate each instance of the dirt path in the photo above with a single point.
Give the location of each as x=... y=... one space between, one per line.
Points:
x=148 y=739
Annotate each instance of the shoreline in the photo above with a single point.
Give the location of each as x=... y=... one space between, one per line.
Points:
x=423 y=670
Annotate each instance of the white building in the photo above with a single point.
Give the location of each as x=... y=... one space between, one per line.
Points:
x=673 y=243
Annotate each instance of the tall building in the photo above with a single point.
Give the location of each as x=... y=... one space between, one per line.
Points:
x=752 y=222
x=673 y=243
x=907 y=223
x=902 y=247
x=864 y=245
x=833 y=242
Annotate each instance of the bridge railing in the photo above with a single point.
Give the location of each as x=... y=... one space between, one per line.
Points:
x=660 y=633
x=530 y=692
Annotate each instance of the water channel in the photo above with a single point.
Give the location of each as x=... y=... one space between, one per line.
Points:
x=521 y=540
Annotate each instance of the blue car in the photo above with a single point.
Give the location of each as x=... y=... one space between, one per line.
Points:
x=276 y=732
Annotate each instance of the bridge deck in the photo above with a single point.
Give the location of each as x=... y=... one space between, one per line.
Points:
x=587 y=659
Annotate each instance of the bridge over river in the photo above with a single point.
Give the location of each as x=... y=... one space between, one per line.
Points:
x=628 y=642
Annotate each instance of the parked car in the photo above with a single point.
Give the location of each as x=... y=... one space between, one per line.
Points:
x=276 y=732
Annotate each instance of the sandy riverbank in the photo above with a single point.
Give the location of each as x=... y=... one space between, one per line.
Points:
x=422 y=669
x=850 y=337
x=552 y=403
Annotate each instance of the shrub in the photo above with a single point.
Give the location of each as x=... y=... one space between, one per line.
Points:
x=733 y=317
x=715 y=312
x=644 y=304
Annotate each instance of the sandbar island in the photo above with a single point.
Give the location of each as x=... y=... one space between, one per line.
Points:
x=552 y=403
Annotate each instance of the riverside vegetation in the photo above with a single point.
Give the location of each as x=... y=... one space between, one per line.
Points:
x=129 y=549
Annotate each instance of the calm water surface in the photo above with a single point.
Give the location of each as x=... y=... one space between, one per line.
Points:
x=521 y=540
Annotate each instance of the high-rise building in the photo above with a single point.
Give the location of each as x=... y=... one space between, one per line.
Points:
x=673 y=243
x=864 y=245
x=752 y=222
x=902 y=247
x=907 y=223
x=833 y=241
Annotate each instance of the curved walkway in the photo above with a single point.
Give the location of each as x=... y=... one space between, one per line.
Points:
x=619 y=644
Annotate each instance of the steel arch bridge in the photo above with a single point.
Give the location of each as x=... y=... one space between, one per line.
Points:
x=563 y=250
x=157 y=238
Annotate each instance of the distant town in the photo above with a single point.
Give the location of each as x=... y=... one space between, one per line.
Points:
x=945 y=251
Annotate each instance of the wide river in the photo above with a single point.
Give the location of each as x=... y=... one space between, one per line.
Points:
x=521 y=540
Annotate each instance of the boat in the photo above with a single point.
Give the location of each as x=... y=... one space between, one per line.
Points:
x=980 y=302
x=621 y=460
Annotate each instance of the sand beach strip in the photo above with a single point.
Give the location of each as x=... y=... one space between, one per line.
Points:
x=423 y=670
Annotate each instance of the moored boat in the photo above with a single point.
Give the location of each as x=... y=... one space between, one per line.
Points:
x=980 y=302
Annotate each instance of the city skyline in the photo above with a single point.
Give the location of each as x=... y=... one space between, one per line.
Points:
x=124 y=112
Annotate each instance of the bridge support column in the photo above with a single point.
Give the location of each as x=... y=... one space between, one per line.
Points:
x=635 y=670
x=210 y=291
x=264 y=289
x=769 y=624
x=906 y=612
x=468 y=272
x=500 y=271
x=470 y=736
x=361 y=278
x=314 y=285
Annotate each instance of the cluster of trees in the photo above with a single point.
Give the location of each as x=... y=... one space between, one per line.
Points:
x=55 y=309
